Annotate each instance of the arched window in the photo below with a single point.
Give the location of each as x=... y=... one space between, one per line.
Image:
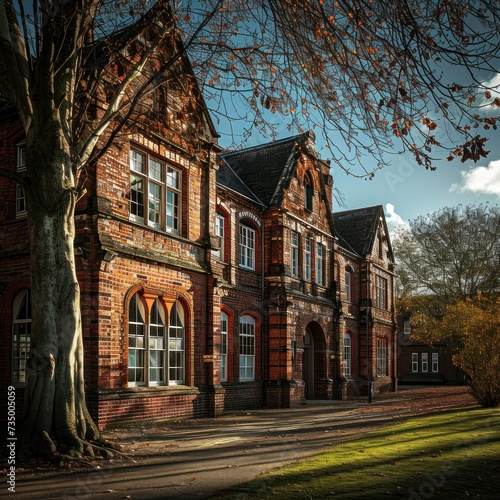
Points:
x=247 y=246
x=348 y=284
x=176 y=342
x=220 y=222
x=247 y=348
x=136 y=341
x=308 y=193
x=347 y=355
x=21 y=336
x=224 y=322
x=149 y=350
x=157 y=344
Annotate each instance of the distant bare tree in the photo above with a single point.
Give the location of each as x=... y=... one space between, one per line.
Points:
x=452 y=254
x=373 y=71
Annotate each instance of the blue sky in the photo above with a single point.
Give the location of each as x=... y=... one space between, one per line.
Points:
x=404 y=188
x=407 y=190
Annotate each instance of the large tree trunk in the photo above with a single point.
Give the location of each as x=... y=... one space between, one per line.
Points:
x=56 y=416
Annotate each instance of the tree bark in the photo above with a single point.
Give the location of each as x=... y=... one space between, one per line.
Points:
x=57 y=418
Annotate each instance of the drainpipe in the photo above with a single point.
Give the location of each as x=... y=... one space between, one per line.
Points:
x=368 y=350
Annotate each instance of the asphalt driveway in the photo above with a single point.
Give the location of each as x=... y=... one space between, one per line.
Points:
x=196 y=458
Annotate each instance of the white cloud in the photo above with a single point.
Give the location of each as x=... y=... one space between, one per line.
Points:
x=393 y=219
x=493 y=87
x=480 y=180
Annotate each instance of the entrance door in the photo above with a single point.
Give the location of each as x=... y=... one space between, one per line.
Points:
x=308 y=365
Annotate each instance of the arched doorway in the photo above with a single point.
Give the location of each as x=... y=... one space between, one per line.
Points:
x=308 y=365
x=314 y=362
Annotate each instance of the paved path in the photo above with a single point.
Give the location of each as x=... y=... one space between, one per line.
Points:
x=196 y=458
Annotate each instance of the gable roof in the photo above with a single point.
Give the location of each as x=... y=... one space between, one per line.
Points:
x=357 y=229
x=228 y=178
x=266 y=169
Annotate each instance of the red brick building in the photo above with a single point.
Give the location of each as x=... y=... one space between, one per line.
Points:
x=366 y=273
x=420 y=363
x=209 y=281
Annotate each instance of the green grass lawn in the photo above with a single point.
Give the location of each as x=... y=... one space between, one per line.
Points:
x=452 y=455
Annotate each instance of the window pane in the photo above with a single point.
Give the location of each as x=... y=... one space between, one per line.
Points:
x=246 y=246
x=21 y=336
x=414 y=362
x=136 y=342
x=20 y=199
x=307 y=259
x=21 y=157
x=155 y=204
x=435 y=362
x=294 y=254
x=382 y=357
x=308 y=195
x=137 y=196
x=155 y=170
x=319 y=264
x=247 y=348
x=156 y=345
x=425 y=362
x=176 y=339
x=223 y=347
x=136 y=161
x=172 y=178
x=219 y=231
x=347 y=355
x=172 y=210
x=348 y=285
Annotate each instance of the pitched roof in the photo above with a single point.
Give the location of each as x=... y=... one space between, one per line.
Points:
x=266 y=169
x=356 y=229
x=227 y=177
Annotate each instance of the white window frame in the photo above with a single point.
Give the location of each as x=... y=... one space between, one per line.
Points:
x=247 y=348
x=424 y=360
x=381 y=284
x=294 y=254
x=219 y=232
x=157 y=197
x=247 y=246
x=435 y=362
x=382 y=361
x=308 y=259
x=320 y=264
x=158 y=359
x=346 y=369
x=156 y=345
x=137 y=342
x=224 y=322
x=177 y=345
x=414 y=362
